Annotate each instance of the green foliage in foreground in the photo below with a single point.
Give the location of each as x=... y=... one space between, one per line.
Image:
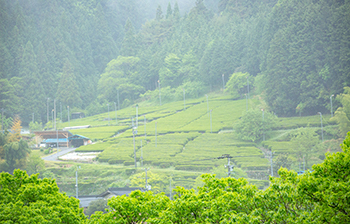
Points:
x=27 y=199
x=321 y=196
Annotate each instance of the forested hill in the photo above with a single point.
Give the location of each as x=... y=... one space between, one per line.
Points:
x=84 y=53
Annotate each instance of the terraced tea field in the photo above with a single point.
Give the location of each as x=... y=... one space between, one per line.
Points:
x=173 y=139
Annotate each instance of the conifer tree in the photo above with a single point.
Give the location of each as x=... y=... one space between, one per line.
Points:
x=129 y=43
x=6 y=61
x=169 y=12
x=176 y=13
x=68 y=92
x=159 y=13
x=33 y=93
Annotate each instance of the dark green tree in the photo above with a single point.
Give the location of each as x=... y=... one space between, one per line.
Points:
x=32 y=97
x=176 y=13
x=68 y=92
x=129 y=44
x=169 y=12
x=159 y=13
x=6 y=62
x=254 y=124
x=8 y=99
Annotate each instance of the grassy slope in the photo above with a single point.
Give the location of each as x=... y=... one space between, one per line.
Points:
x=184 y=146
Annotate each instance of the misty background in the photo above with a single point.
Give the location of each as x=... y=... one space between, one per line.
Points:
x=85 y=53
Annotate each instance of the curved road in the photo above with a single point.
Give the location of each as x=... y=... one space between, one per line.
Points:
x=54 y=157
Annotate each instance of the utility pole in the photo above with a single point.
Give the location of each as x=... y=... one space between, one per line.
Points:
x=223 y=83
x=144 y=123
x=116 y=117
x=263 y=124
x=47 y=103
x=321 y=124
x=134 y=131
x=68 y=117
x=207 y=105
x=52 y=119
x=76 y=181
x=61 y=110
x=57 y=142
x=331 y=105
x=184 y=98
x=108 y=113
x=147 y=186
x=271 y=162
x=56 y=129
x=2 y=120
x=170 y=189
x=137 y=115
x=228 y=166
x=248 y=86
x=160 y=99
x=141 y=154
x=118 y=99
x=156 y=134
x=54 y=108
x=211 y=127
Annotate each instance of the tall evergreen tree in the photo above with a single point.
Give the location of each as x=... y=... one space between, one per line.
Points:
x=169 y=12
x=6 y=61
x=129 y=45
x=67 y=91
x=32 y=97
x=159 y=13
x=176 y=13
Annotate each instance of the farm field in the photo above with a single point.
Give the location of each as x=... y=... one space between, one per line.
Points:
x=182 y=143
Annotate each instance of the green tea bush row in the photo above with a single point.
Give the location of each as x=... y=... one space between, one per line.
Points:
x=194 y=168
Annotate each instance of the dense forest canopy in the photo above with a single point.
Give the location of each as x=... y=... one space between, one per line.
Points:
x=85 y=53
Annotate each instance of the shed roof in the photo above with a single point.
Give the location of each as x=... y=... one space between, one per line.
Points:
x=53 y=134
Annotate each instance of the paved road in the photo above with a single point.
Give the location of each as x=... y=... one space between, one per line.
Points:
x=53 y=157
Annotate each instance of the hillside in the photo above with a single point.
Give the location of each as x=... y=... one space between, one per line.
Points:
x=87 y=54
x=179 y=143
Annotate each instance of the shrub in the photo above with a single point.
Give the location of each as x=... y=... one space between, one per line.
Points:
x=254 y=124
x=116 y=161
x=130 y=171
x=129 y=163
x=194 y=168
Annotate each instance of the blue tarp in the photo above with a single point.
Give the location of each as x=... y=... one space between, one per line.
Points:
x=54 y=140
